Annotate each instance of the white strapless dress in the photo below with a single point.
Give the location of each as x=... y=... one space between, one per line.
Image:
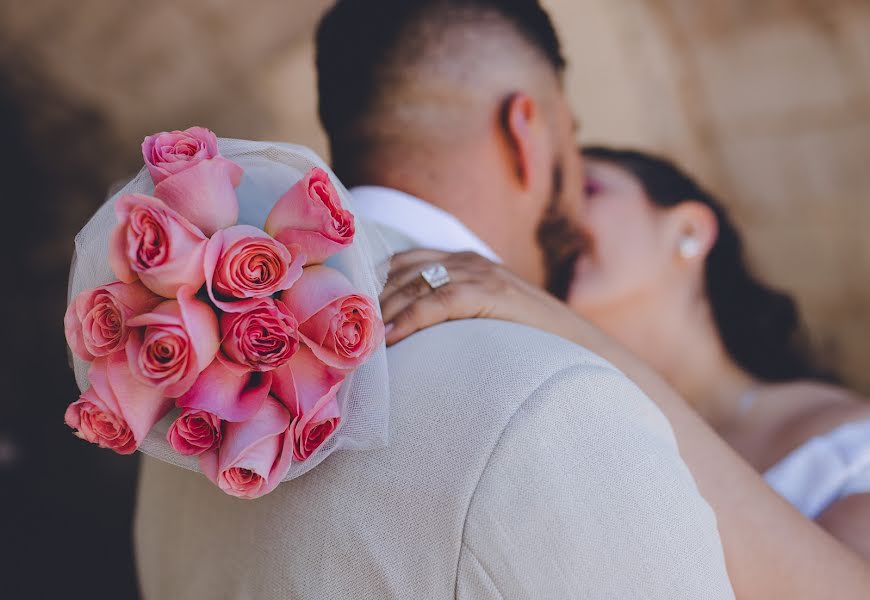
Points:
x=824 y=469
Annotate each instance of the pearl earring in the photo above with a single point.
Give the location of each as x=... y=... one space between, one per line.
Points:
x=689 y=247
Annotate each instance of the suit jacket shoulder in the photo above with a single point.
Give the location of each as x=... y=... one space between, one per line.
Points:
x=468 y=400
x=585 y=496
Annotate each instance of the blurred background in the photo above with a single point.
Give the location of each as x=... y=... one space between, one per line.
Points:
x=767 y=100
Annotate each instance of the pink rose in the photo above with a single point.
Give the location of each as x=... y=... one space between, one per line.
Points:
x=310 y=214
x=194 y=432
x=228 y=394
x=341 y=327
x=192 y=177
x=168 y=153
x=244 y=264
x=259 y=339
x=254 y=455
x=170 y=346
x=117 y=411
x=309 y=389
x=96 y=320
x=157 y=245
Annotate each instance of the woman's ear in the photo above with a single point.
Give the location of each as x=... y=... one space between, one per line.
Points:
x=520 y=122
x=694 y=230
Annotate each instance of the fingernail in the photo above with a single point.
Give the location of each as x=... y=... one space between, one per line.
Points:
x=388 y=328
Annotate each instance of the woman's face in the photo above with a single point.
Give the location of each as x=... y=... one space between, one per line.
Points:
x=629 y=254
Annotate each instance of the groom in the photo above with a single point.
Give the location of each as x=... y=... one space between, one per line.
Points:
x=519 y=465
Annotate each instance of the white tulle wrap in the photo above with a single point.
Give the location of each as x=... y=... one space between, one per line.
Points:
x=270 y=169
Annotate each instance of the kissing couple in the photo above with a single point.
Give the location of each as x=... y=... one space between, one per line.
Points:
x=520 y=464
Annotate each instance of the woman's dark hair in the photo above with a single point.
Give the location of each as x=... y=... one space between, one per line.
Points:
x=759 y=326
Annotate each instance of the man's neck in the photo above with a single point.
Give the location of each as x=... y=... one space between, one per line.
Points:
x=416 y=223
x=468 y=183
x=457 y=195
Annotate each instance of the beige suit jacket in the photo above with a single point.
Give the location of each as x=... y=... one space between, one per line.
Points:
x=520 y=466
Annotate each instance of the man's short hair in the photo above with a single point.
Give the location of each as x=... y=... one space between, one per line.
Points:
x=360 y=41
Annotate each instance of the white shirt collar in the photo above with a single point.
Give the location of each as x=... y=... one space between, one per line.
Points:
x=424 y=223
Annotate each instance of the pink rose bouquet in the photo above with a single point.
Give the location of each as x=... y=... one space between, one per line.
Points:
x=233 y=341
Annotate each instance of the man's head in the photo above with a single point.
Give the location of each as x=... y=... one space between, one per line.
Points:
x=459 y=102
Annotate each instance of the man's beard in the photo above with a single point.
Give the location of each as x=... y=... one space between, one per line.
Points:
x=561 y=241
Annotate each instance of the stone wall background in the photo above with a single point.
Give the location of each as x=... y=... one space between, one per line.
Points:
x=767 y=100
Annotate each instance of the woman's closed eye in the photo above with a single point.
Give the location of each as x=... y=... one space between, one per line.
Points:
x=592 y=188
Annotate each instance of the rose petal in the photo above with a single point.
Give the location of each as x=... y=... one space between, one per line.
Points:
x=186 y=440
x=114 y=390
x=314 y=245
x=184 y=248
x=188 y=318
x=202 y=326
x=312 y=430
x=259 y=444
x=317 y=287
x=94 y=422
x=141 y=405
x=167 y=312
x=208 y=464
x=305 y=382
x=72 y=328
x=345 y=333
x=118 y=253
x=161 y=165
x=316 y=300
x=123 y=300
x=204 y=193
x=230 y=396
x=262 y=338
x=309 y=389
x=310 y=214
x=226 y=244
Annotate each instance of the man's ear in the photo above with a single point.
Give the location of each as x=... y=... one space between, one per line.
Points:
x=519 y=121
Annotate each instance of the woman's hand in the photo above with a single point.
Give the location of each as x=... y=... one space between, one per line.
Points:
x=478 y=288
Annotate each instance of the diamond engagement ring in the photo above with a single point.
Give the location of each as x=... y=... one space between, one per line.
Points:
x=435 y=276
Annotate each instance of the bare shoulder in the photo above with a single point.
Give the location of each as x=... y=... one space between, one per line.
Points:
x=803 y=410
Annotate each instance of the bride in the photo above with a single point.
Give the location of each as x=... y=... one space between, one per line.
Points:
x=664 y=293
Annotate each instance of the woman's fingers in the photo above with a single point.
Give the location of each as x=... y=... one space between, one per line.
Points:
x=416 y=315
x=447 y=303
x=403 y=260
x=396 y=299
x=409 y=304
x=399 y=298
x=400 y=278
x=407 y=266
x=406 y=269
